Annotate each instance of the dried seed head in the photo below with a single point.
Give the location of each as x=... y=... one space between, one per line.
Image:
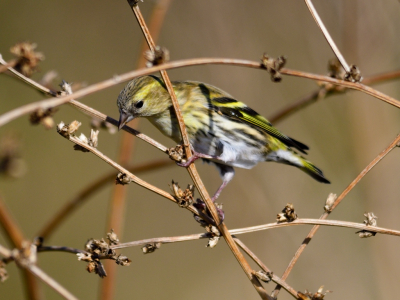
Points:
x=212 y=242
x=100 y=124
x=94 y=140
x=370 y=219
x=66 y=87
x=3 y=272
x=273 y=66
x=113 y=238
x=319 y=295
x=28 y=59
x=84 y=257
x=123 y=260
x=123 y=179
x=11 y=163
x=150 y=248
x=159 y=56
x=183 y=198
x=176 y=153
x=329 y=202
x=264 y=276
x=43 y=117
x=288 y=214
x=354 y=75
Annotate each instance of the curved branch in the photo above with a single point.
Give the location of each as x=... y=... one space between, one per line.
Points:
x=48 y=103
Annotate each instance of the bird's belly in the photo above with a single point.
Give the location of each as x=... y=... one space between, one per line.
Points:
x=235 y=153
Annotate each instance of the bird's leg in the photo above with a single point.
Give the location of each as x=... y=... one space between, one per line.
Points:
x=227 y=173
x=194 y=157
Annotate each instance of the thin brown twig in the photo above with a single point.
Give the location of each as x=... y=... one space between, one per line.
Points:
x=327 y=36
x=118 y=199
x=134 y=178
x=26 y=79
x=53 y=102
x=275 y=225
x=322 y=92
x=36 y=271
x=89 y=190
x=311 y=234
x=192 y=168
x=10 y=226
x=14 y=234
x=10 y=64
x=274 y=278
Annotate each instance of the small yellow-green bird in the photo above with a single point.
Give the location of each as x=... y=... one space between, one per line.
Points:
x=221 y=130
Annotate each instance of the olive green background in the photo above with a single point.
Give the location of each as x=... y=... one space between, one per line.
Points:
x=90 y=41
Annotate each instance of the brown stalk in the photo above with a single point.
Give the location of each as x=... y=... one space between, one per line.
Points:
x=274 y=278
x=53 y=102
x=14 y=234
x=117 y=205
x=327 y=36
x=316 y=95
x=192 y=168
x=89 y=190
x=275 y=225
x=311 y=234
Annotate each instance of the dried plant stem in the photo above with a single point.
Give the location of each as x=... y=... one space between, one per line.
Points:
x=117 y=204
x=275 y=225
x=14 y=234
x=274 y=278
x=311 y=234
x=327 y=36
x=192 y=168
x=53 y=102
x=10 y=226
x=322 y=92
x=36 y=271
x=73 y=204
x=26 y=79
x=6 y=65
x=51 y=282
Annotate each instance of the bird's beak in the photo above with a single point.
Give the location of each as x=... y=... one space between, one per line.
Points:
x=123 y=119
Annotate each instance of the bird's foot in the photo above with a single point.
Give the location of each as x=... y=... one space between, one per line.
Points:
x=200 y=205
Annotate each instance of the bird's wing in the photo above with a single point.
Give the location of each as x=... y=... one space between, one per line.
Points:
x=237 y=110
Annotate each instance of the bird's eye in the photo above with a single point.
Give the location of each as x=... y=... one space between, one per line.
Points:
x=139 y=104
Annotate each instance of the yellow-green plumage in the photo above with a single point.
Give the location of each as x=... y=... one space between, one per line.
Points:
x=221 y=129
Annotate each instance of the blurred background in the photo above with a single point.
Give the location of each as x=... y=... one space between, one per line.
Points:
x=90 y=41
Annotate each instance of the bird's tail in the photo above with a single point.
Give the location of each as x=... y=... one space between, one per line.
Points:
x=313 y=171
x=291 y=158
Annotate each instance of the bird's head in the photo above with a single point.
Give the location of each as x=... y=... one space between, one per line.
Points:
x=142 y=97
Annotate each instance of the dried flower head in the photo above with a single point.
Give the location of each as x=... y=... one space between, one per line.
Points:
x=11 y=163
x=319 y=295
x=123 y=179
x=112 y=237
x=288 y=214
x=100 y=124
x=354 y=75
x=183 y=198
x=28 y=59
x=150 y=247
x=157 y=56
x=176 y=153
x=123 y=260
x=329 y=202
x=212 y=242
x=94 y=138
x=3 y=272
x=84 y=257
x=370 y=219
x=273 y=66
x=44 y=117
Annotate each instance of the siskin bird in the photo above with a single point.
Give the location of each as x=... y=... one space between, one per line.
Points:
x=221 y=130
